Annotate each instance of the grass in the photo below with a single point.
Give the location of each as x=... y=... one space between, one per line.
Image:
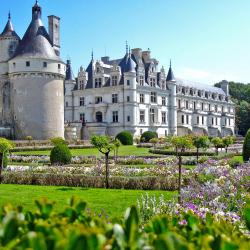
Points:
x=123 y=151
x=238 y=158
x=113 y=201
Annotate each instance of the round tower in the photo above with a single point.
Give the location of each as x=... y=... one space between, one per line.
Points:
x=37 y=75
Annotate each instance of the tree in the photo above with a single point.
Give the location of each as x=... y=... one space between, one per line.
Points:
x=105 y=146
x=200 y=142
x=57 y=141
x=218 y=143
x=5 y=146
x=117 y=145
x=227 y=141
x=29 y=138
x=246 y=147
x=154 y=141
x=181 y=143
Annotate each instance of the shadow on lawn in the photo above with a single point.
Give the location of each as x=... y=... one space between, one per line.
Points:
x=70 y=188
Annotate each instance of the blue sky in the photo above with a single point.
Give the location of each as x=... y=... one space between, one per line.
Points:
x=207 y=40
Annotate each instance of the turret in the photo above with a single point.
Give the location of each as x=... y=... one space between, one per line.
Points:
x=171 y=83
x=9 y=41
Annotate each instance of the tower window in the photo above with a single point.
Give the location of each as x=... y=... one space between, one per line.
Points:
x=115 y=116
x=28 y=64
x=81 y=101
x=59 y=66
x=114 y=98
x=45 y=64
x=128 y=82
x=14 y=64
x=128 y=98
x=128 y=118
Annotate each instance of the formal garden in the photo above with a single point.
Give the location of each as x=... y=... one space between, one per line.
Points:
x=188 y=192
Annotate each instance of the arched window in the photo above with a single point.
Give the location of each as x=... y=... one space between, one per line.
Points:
x=98 y=116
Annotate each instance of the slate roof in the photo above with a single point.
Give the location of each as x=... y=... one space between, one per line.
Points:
x=9 y=29
x=199 y=86
x=170 y=76
x=69 y=72
x=36 y=41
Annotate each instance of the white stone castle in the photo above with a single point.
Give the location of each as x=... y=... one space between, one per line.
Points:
x=31 y=80
x=110 y=96
x=133 y=94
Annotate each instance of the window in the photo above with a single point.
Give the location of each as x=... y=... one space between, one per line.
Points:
x=98 y=116
x=128 y=98
x=67 y=104
x=81 y=101
x=82 y=117
x=27 y=63
x=141 y=131
x=182 y=119
x=163 y=117
x=202 y=120
x=59 y=66
x=163 y=101
x=141 y=80
x=98 y=82
x=14 y=64
x=114 y=98
x=141 y=98
x=152 y=115
x=229 y=120
x=152 y=82
x=45 y=64
x=98 y=99
x=187 y=119
x=216 y=121
x=128 y=82
x=194 y=105
x=215 y=109
x=115 y=116
x=186 y=104
x=81 y=85
x=202 y=106
x=114 y=80
x=153 y=97
x=179 y=104
x=198 y=120
x=209 y=107
x=212 y=121
x=128 y=118
x=142 y=116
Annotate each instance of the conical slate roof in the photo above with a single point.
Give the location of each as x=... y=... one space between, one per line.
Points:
x=170 y=76
x=127 y=64
x=69 y=72
x=36 y=41
x=9 y=29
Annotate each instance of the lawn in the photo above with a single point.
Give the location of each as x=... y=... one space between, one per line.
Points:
x=238 y=158
x=123 y=151
x=113 y=201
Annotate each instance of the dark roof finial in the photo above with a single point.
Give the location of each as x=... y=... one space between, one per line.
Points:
x=92 y=55
x=126 y=47
x=170 y=76
x=9 y=16
x=170 y=65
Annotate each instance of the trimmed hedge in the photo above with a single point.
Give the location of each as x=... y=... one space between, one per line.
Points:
x=148 y=135
x=138 y=183
x=125 y=137
x=60 y=154
x=246 y=147
x=187 y=153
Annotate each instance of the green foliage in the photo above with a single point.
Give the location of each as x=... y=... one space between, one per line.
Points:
x=60 y=154
x=218 y=143
x=234 y=163
x=102 y=143
x=181 y=143
x=57 y=141
x=227 y=141
x=125 y=137
x=148 y=135
x=5 y=159
x=76 y=229
x=5 y=145
x=29 y=138
x=246 y=147
x=200 y=141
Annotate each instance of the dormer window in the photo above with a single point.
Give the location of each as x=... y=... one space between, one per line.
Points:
x=152 y=82
x=97 y=70
x=59 y=66
x=199 y=93
x=45 y=64
x=98 y=82
x=141 y=80
x=114 y=80
x=27 y=63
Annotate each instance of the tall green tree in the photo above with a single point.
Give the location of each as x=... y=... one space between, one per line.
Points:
x=246 y=147
x=5 y=146
x=200 y=142
x=104 y=145
x=181 y=144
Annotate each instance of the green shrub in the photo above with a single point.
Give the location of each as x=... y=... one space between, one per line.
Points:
x=202 y=159
x=148 y=135
x=57 y=140
x=5 y=160
x=234 y=163
x=125 y=137
x=60 y=154
x=246 y=147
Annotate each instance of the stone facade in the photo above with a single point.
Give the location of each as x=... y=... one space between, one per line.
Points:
x=134 y=94
x=31 y=80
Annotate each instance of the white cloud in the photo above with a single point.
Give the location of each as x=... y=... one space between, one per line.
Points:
x=203 y=76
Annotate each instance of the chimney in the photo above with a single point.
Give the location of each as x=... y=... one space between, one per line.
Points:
x=54 y=32
x=146 y=55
